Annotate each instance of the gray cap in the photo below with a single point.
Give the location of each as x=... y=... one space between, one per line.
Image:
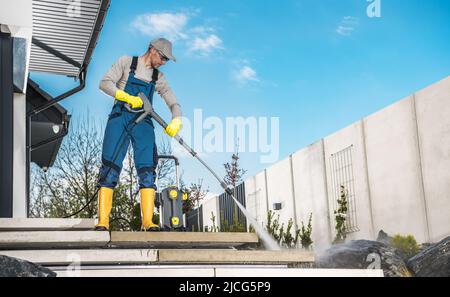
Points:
x=164 y=46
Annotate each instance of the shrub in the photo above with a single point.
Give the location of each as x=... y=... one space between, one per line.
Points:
x=305 y=234
x=284 y=236
x=236 y=226
x=406 y=245
x=214 y=227
x=341 y=216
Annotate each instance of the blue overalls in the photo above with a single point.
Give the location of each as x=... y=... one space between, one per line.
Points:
x=120 y=130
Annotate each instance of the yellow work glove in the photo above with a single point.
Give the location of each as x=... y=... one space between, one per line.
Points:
x=174 y=127
x=134 y=101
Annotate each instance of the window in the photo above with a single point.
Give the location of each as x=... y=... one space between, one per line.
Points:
x=343 y=182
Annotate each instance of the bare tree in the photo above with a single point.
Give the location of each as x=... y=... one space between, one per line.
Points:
x=71 y=182
x=233 y=177
x=126 y=214
x=165 y=169
x=123 y=215
x=196 y=193
x=233 y=171
x=38 y=191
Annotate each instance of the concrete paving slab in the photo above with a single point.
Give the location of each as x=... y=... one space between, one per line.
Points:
x=46 y=224
x=145 y=271
x=296 y=272
x=186 y=271
x=182 y=239
x=85 y=257
x=52 y=239
x=234 y=256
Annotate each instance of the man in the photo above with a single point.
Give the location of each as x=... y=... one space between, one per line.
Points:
x=124 y=81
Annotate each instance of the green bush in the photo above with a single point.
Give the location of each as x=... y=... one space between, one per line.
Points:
x=236 y=226
x=284 y=236
x=305 y=234
x=341 y=217
x=406 y=245
x=273 y=226
x=214 y=227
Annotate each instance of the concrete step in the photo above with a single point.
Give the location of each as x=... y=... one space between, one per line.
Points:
x=46 y=224
x=52 y=239
x=211 y=271
x=85 y=257
x=234 y=256
x=133 y=271
x=89 y=239
x=296 y=272
x=161 y=257
x=182 y=239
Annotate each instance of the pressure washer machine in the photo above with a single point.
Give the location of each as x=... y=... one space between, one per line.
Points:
x=170 y=202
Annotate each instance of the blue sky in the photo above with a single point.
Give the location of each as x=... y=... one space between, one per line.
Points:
x=316 y=65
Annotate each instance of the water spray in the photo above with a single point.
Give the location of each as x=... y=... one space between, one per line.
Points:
x=268 y=241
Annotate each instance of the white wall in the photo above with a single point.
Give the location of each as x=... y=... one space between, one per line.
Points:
x=311 y=193
x=433 y=118
x=19 y=155
x=279 y=190
x=16 y=12
x=211 y=205
x=401 y=169
x=394 y=171
x=352 y=135
x=256 y=198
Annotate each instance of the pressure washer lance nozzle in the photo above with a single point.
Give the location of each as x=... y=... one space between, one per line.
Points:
x=228 y=190
x=265 y=236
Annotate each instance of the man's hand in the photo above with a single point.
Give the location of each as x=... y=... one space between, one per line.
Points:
x=174 y=127
x=134 y=101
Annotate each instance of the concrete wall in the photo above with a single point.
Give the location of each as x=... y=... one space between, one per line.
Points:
x=311 y=193
x=280 y=190
x=400 y=171
x=352 y=135
x=16 y=13
x=256 y=197
x=394 y=171
x=433 y=118
x=19 y=171
x=211 y=206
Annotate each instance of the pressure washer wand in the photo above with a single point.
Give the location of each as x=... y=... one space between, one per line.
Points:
x=270 y=243
x=148 y=110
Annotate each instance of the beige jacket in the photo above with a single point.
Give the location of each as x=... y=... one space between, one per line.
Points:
x=117 y=76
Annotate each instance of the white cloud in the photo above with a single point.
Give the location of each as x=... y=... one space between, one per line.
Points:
x=205 y=46
x=202 y=30
x=169 y=25
x=246 y=74
x=345 y=31
x=199 y=40
x=351 y=20
x=347 y=25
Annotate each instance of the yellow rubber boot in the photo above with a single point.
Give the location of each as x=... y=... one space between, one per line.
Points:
x=147 y=209
x=105 y=196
